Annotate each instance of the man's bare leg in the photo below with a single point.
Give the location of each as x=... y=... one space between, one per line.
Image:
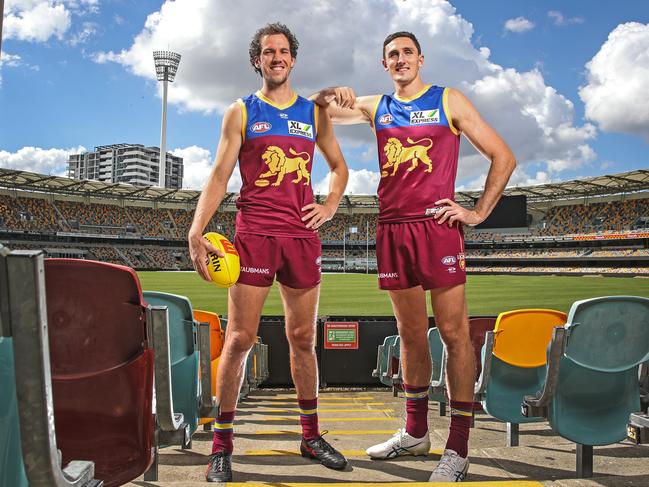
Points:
x=409 y=307
x=300 y=308
x=451 y=318
x=244 y=311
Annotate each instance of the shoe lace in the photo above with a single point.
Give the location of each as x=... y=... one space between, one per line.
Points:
x=220 y=465
x=398 y=437
x=322 y=443
x=446 y=466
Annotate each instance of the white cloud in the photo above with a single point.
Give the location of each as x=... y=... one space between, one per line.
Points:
x=35 y=159
x=618 y=81
x=35 y=21
x=561 y=20
x=197 y=163
x=360 y=182
x=518 y=25
x=10 y=60
x=81 y=37
x=40 y=20
x=535 y=120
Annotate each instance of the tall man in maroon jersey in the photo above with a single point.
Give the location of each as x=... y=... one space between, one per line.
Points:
x=272 y=133
x=419 y=241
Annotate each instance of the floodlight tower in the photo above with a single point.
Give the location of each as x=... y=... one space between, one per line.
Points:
x=166 y=65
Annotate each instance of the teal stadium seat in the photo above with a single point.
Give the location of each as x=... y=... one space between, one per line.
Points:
x=383 y=368
x=12 y=469
x=437 y=390
x=183 y=332
x=591 y=384
x=514 y=364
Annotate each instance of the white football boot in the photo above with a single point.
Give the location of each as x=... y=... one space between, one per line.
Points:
x=401 y=443
x=451 y=468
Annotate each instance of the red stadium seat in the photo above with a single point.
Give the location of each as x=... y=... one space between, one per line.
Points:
x=478 y=326
x=102 y=367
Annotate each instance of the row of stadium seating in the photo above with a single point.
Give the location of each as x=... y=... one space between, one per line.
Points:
x=585 y=373
x=52 y=215
x=83 y=345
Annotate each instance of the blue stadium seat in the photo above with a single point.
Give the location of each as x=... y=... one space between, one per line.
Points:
x=591 y=385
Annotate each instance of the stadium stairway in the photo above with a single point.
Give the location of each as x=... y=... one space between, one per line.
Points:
x=267 y=449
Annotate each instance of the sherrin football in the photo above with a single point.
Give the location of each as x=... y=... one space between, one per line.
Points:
x=224 y=271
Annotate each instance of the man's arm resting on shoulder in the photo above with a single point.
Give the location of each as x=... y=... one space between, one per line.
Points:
x=487 y=141
x=328 y=145
x=344 y=107
x=215 y=188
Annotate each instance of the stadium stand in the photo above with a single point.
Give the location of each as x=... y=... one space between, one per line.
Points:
x=595 y=226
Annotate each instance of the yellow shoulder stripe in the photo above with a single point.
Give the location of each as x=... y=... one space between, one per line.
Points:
x=244 y=118
x=449 y=116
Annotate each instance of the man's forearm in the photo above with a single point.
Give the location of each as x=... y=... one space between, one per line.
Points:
x=337 y=185
x=208 y=203
x=499 y=173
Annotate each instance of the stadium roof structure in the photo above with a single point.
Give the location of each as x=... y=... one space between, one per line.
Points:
x=609 y=185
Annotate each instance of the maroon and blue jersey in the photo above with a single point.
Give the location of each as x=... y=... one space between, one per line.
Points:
x=418 y=153
x=275 y=160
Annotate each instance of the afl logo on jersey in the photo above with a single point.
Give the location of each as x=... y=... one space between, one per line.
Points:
x=385 y=119
x=260 y=127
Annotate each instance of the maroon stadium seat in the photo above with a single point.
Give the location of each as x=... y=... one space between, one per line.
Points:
x=478 y=326
x=102 y=367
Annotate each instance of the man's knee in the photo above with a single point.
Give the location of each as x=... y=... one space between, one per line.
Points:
x=455 y=336
x=240 y=341
x=301 y=339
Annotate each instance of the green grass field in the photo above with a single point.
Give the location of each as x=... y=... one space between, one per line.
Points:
x=358 y=294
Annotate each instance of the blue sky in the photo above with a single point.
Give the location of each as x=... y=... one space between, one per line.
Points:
x=563 y=82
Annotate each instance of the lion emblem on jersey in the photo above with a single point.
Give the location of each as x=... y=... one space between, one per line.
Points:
x=396 y=154
x=279 y=165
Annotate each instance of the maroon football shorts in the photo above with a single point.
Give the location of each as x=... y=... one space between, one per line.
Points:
x=422 y=253
x=295 y=261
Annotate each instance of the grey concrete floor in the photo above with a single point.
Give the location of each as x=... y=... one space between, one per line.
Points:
x=267 y=448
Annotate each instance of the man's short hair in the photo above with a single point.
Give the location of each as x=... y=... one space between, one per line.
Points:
x=401 y=33
x=268 y=30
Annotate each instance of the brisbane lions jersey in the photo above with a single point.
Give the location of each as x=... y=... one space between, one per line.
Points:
x=275 y=162
x=418 y=152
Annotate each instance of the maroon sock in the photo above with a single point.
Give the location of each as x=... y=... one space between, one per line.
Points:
x=223 y=432
x=416 y=410
x=458 y=435
x=309 y=418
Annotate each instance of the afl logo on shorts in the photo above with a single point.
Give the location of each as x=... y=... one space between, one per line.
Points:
x=260 y=127
x=449 y=260
x=385 y=119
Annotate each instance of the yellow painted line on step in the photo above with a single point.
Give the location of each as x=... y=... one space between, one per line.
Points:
x=336 y=420
x=359 y=404
x=495 y=483
x=320 y=399
x=347 y=453
x=322 y=410
x=331 y=432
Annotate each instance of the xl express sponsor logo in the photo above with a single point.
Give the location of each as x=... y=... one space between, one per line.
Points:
x=260 y=127
x=424 y=116
x=301 y=129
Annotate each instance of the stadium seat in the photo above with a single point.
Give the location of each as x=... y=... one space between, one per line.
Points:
x=183 y=343
x=513 y=363
x=382 y=361
x=102 y=366
x=591 y=381
x=478 y=328
x=437 y=390
x=217 y=337
x=28 y=445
